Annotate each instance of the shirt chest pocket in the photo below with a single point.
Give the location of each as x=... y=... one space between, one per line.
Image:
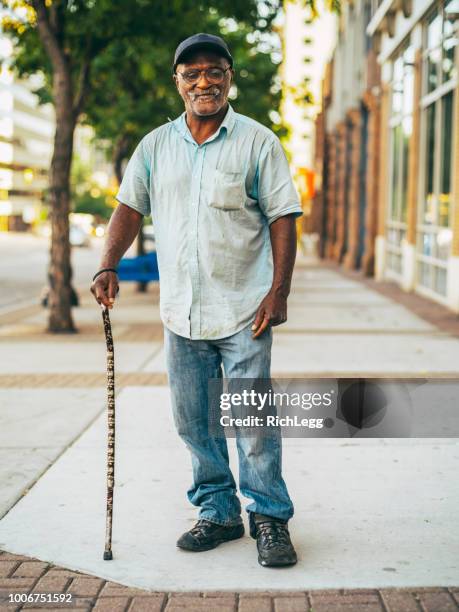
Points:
x=228 y=190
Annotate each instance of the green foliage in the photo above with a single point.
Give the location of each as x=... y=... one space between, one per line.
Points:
x=330 y=5
x=136 y=92
x=86 y=195
x=90 y=29
x=93 y=205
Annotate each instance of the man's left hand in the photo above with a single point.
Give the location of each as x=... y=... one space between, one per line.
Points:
x=272 y=311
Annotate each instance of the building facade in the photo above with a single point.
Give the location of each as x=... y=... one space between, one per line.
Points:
x=26 y=144
x=26 y=147
x=307 y=43
x=390 y=155
x=347 y=142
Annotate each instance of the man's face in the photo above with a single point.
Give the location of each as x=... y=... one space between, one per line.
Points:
x=203 y=98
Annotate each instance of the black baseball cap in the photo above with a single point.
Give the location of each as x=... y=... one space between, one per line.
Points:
x=202 y=41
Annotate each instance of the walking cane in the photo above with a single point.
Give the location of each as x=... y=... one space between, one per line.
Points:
x=111 y=433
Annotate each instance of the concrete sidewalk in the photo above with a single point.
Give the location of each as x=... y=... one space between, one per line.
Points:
x=373 y=513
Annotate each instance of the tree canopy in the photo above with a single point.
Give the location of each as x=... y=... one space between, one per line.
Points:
x=136 y=92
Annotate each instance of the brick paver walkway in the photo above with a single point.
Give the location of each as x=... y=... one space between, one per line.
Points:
x=134 y=332
x=84 y=380
x=23 y=576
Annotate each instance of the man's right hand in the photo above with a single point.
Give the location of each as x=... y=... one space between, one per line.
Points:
x=124 y=226
x=105 y=288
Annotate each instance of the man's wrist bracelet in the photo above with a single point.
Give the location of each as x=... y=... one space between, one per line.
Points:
x=103 y=270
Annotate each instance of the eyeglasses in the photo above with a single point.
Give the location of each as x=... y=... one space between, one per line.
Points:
x=213 y=75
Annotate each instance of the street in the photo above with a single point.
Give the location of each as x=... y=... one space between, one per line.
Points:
x=23 y=267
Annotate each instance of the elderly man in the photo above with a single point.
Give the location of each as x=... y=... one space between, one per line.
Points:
x=218 y=187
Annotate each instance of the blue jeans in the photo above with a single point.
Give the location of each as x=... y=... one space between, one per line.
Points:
x=190 y=364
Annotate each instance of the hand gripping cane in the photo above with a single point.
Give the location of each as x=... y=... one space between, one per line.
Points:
x=111 y=433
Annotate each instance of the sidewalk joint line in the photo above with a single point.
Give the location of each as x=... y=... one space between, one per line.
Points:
x=165 y=602
x=382 y=601
x=149 y=358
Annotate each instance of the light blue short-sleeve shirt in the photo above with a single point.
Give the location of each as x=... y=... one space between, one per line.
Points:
x=211 y=206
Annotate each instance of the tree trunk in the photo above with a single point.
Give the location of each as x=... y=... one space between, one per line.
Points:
x=60 y=314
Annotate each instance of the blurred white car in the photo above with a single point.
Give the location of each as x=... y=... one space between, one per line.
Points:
x=78 y=237
x=99 y=231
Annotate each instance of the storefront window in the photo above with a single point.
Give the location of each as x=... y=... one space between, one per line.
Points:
x=429 y=208
x=434 y=54
x=427 y=244
x=444 y=204
x=396 y=139
x=434 y=221
x=407 y=129
x=401 y=124
x=450 y=40
x=444 y=237
x=397 y=86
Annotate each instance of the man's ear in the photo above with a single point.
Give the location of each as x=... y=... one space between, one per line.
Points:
x=175 y=78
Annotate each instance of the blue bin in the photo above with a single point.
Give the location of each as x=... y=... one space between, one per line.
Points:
x=143 y=268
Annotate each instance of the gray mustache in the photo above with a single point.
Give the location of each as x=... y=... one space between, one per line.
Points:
x=213 y=92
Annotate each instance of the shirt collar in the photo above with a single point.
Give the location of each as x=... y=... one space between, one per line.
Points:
x=229 y=120
x=228 y=123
